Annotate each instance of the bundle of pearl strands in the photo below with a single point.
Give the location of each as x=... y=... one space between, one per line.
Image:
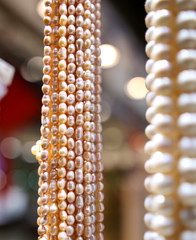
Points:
x=70 y=149
x=171 y=150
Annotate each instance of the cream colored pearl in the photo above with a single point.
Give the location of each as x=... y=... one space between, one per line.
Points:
x=163 y=104
x=187 y=168
x=186 y=19
x=187 y=146
x=160 y=184
x=163 y=225
x=149 y=148
x=162 y=34
x=150 y=131
x=153 y=236
x=63 y=151
x=163 y=123
x=187 y=38
x=186 y=58
x=62 y=236
x=160 y=4
x=188 y=235
x=148 y=6
x=187 y=102
x=161 y=18
x=162 y=68
x=149 y=65
x=187 y=123
x=149 y=81
x=160 y=51
x=188 y=218
x=150 y=113
x=149 y=34
x=160 y=204
x=187 y=194
x=148 y=19
x=148 y=49
x=160 y=162
x=162 y=86
x=187 y=80
x=162 y=143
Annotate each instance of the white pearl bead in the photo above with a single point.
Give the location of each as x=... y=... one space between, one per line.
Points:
x=150 y=131
x=187 y=80
x=160 y=4
x=188 y=235
x=187 y=146
x=149 y=34
x=161 y=18
x=149 y=98
x=187 y=123
x=186 y=58
x=160 y=204
x=164 y=225
x=163 y=104
x=160 y=51
x=149 y=65
x=149 y=81
x=187 y=168
x=162 y=143
x=148 y=6
x=187 y=102
x=149 y=148
x=62 y=236
x=160 y=162
x=153 y=236
x=162 y=68
x=159 y=184
x=187 y=194
x=187 y=38
x=150 y=113
x=188 y=218
x=186 y=19
x=149 y=47
x=163 y=123
x=162 y=86
x=162 y=34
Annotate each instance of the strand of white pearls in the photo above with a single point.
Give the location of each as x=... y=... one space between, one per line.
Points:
x=67 y=152
x=87 y=122
x=79 y=121
x=62 y=119
x=98 y=127
x=186 y=80
x=42 y=154
x=162 y=203
x=172 y=82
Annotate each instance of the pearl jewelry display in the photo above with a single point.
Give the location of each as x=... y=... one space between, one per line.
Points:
x=171 y=80
x=70 y=150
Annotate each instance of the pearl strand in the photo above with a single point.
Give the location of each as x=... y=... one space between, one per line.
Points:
x=67 y=152
x=98 y=127
x=171 y=115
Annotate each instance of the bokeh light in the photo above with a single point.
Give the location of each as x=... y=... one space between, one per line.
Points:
x=109 y=56
x=10 y=147
x=136 y=88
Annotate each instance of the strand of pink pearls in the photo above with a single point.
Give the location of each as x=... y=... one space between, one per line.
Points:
x=171 y=115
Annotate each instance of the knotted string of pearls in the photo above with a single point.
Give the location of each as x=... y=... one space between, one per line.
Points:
x=70 y=149
x=171 y=80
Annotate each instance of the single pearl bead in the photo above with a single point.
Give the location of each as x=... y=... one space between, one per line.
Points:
x=187 y=38
x=163 y=123
x=186 y=19
x=153 y=236
x=149 y=34
x=163 y=104
x=160 y=51
x=187 y=194
x=149 y=81
x=188 y=235
x=149 y=65
x=162 y=143
x=160 y=184
x=162 y=68
x=187 y=168
x=160 y=4
x=150 y=113
x=186 y=80
x=187 y=102
x=160 y=204
x=148 y=19
x=149 y=148
x=186 y=58
x=62 y=236
x=160 y=162
x=161 y=18
x=188 y=218
x=162 y=34
x=187 y=123
x=148 y=6
x=162 y=86
x=187 y=146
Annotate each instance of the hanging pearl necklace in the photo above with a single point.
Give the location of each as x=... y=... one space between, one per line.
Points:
x=171 y=80
x=70 y=150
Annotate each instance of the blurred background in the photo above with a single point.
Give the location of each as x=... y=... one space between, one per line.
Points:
x=123 y=63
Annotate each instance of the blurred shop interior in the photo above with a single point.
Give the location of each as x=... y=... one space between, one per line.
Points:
x=123 y=63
